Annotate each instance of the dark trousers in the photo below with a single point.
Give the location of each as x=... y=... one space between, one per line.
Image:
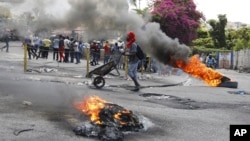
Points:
x=6 y=46
x=72 y=55
x=66 y=58
x=41 y=52
x=77 y=56
x=31 y=51
x=55 y=54
x=46 y=52
x=106 y=59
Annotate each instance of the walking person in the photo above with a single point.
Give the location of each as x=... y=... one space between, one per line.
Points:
x=55 y=48
x=6 y=40
x=131 y=50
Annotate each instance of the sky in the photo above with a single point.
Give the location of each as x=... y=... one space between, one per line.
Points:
x=235 y=10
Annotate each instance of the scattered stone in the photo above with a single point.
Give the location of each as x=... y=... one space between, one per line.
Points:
x=27 y=103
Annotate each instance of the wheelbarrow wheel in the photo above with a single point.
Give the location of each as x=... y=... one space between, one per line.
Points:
x=99 y=82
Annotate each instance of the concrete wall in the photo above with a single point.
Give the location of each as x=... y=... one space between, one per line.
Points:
x=241 y=59
x=224 y=60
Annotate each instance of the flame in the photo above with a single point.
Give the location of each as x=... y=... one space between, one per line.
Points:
x=199 y=70
x=119 y=115
x=92 y=107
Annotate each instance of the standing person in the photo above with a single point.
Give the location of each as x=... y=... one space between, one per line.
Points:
x=66 y=49
x=131 y=50
x=37 y=43
x=115 y=54
x=55 y=48
x=32 y=47
x=115 y=48
x=46 y=45
x=107 y=52
x=6 y=40
x=121 y=64
x=61 y=48
x=71 y=49
x=28 y=41
x=77 y=49
x=94 y=51
x=98 y=52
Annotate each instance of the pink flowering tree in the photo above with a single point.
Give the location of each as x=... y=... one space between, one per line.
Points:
x=177 y=19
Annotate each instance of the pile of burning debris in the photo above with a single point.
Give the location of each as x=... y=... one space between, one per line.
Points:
x=108 y=121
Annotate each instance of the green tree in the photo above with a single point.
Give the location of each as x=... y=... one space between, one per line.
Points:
x=203 y=39
x=238 y=39
x=217 y=31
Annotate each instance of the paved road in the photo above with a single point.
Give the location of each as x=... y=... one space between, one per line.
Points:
x=192 y=111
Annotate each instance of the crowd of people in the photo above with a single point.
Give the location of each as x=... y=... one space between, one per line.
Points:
x=65 y=49
x=111 y=50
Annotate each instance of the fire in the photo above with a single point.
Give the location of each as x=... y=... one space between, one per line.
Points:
x=104 y=113
x=120 y=116
x=199 y=70
x=92 y=107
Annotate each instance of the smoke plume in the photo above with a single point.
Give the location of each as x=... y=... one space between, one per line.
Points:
x=103 y=19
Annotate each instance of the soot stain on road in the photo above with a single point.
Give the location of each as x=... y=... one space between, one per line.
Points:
x=186 y=103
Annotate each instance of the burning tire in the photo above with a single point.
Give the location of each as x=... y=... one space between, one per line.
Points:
x=229 y=84
x=99 y=82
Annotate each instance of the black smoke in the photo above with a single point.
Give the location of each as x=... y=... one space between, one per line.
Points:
x=105 y=19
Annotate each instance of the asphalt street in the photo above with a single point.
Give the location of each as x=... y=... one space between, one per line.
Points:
x=37 y=102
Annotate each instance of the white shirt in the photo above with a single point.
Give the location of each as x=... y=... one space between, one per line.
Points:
x=66 y=43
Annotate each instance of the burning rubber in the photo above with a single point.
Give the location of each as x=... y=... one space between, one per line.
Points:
x=226 y=82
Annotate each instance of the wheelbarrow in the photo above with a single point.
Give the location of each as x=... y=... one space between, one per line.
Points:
x=99 y=72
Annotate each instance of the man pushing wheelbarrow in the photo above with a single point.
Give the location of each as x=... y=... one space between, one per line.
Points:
x=135 y=54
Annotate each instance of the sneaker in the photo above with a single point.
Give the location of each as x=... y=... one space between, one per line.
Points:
x=136 y=89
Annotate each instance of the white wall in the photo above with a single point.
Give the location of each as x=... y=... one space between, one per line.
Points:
x=242 y=58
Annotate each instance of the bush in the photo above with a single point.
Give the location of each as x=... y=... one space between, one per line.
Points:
x=199 y=50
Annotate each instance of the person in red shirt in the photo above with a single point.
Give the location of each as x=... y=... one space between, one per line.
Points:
x=107 y=52
x=61 y=48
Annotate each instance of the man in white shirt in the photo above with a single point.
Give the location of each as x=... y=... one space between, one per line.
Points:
x=66 y=49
